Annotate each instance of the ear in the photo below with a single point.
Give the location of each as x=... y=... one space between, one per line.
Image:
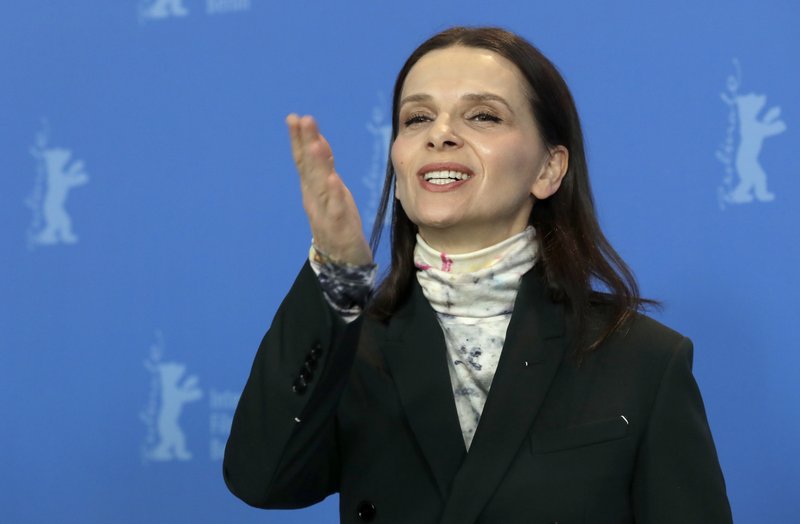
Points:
x=552 y=173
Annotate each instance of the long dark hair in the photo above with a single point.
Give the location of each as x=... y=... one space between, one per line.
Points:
x=575 y=258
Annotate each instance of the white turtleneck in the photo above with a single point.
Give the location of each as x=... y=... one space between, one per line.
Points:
x=473 y=295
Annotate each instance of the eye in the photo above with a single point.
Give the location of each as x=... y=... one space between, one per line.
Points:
x=485 y=116
x=416 y=118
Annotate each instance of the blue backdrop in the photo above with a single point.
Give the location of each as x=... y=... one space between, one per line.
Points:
x=150 y=219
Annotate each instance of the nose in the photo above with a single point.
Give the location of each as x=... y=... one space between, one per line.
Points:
x=442 y=135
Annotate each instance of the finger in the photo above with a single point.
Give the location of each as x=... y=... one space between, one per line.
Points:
x=327 y=148
x=314 y=143
x=323 y=153
x=308 y=131
x=293 y=123
x=316 y=161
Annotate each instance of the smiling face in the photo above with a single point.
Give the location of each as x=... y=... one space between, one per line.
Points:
x=468 y=156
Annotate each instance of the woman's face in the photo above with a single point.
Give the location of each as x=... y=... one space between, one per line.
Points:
x=468 y=156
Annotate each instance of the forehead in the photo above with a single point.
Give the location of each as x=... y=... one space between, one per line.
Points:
x=457 y=70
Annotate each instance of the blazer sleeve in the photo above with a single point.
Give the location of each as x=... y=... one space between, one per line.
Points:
x=677 y=478
x=282 y=448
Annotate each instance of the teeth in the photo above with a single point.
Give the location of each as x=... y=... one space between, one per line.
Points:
x=441 y=178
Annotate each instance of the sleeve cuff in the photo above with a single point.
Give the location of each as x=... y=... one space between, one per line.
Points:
x=346 y=287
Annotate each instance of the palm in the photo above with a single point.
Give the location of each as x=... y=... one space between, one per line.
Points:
x=332 y=212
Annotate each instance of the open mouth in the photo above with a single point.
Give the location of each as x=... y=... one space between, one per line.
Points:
x=441 y=178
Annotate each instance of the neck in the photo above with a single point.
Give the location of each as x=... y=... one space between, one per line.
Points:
x=455 y=241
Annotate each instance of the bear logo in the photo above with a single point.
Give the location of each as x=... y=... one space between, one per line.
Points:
x=57 y=175
x=174 y=394
x=380 y=128
x=169 y=393
x=742 y=157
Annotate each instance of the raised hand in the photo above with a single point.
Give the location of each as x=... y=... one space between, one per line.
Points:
x=332 y=212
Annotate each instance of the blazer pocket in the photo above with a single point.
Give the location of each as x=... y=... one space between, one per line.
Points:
x=579 y=436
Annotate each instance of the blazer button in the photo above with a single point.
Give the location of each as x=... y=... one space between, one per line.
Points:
x=310 y=365
x=366 y=511
x=316 y=351
x=299 y=386
x=306 y=375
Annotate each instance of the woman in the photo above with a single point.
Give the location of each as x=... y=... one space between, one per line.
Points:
x=486 y=380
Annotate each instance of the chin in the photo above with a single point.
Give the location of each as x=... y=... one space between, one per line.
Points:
x=435 y=221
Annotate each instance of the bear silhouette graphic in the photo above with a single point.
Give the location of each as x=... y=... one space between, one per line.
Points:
x=752 y=132
x=381 y=131
x=174 y=394
x=61 y=177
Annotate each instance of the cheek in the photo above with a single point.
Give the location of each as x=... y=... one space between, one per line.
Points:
x=398 y=155
x=517 y=159
x=400 y=164
x=515 y=153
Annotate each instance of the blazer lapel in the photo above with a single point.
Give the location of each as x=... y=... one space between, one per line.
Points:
x=416 y=354
x=532 y=353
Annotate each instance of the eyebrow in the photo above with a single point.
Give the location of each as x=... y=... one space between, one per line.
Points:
x=473 y=97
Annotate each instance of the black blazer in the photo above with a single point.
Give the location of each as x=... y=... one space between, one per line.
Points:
x=623 y=438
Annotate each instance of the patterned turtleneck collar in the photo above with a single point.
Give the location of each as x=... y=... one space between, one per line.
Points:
x=483 y=283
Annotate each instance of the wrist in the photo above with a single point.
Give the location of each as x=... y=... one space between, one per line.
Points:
x=321 y=256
